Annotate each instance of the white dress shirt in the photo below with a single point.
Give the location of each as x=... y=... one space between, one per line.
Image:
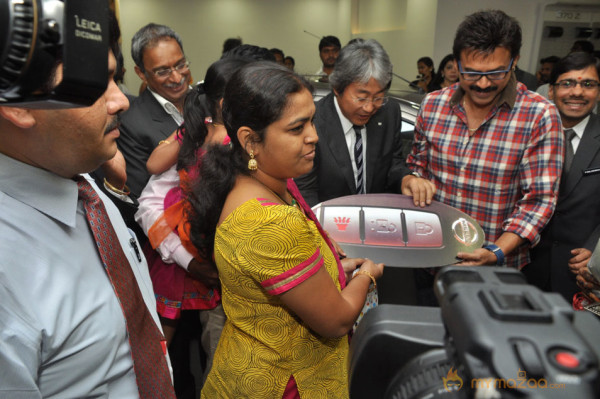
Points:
x=350 y=135
x=579 y=129
x=169 y=107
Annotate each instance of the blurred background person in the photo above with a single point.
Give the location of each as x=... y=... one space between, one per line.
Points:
x=289 y=62
x=528 y=79
x=447 y=73
x=329 y=49
x=250 y=50
x=231 y=43
x=278 y=54
x=426 y=74
x=582 y=45
x=546 y=65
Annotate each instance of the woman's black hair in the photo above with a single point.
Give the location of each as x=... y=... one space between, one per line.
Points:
x=439 y=77
x=255 y=97
x=203 y=102
x=429 y=62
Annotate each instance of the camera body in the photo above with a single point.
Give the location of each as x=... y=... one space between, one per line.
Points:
x=40 y=34
x=493 y=336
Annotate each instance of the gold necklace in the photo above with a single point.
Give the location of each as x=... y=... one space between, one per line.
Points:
x=471 y=130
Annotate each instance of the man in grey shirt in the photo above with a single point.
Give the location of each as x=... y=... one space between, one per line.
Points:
x=63 y=333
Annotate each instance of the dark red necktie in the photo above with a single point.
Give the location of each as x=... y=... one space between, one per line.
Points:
x=145 y=339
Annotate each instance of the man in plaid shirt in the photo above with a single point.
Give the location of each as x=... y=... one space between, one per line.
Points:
x=489 y=147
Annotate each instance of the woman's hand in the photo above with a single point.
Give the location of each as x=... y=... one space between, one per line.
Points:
x=375 y=269
x=350 y=265
x=336 y=246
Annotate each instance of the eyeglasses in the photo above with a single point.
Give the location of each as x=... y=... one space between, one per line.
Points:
x=491 y=75
x=166 y=72
x=568 y=84
x=377 y=101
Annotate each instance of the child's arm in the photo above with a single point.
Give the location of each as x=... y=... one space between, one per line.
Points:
x=164 y=155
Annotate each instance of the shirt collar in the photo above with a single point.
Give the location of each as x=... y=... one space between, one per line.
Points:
x=346 y=124
x=580 y=127
x=508 y=96
x=168 y=106
x=40 y=189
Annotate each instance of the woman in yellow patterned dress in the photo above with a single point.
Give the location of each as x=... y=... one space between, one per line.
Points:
x=289 y=306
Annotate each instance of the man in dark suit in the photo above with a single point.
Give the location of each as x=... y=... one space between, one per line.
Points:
x=359 y=149
x=574 y=230
x=152 y=117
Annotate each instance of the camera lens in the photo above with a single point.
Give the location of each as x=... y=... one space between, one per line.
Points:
x=17 y=26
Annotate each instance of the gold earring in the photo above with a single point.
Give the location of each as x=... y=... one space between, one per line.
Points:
x=252 y=164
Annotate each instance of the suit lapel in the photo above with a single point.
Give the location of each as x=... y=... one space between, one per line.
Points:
x=374 y=142
x=336 y=141
x=164 y=122
x=586 y=151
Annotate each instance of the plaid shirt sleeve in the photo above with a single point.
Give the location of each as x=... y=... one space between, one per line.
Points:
x=539 y=175
x=417 y=158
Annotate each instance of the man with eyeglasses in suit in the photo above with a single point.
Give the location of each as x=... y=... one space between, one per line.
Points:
x=359 y=149
x=574 y=230
x=492 y=149
x=161 y=64
x=152 y=117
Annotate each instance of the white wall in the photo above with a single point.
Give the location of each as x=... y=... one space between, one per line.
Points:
x=205 y=24
x=408 y=29
x=407 y=32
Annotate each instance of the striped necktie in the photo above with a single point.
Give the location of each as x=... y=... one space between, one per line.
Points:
x=145 y=339
x=358 y=160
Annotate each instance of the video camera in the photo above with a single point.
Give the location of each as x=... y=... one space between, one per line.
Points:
x=494 y=336
x=37 y=35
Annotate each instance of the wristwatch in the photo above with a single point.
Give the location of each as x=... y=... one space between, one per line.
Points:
x=416 y=174
x=497 y=251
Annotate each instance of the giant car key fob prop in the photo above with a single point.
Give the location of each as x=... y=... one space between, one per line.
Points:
x=389 y=228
